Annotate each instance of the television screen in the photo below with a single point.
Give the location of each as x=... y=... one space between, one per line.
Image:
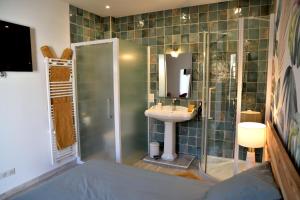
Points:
x=15 y=47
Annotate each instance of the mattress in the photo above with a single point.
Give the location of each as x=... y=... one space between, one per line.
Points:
x=110 y=181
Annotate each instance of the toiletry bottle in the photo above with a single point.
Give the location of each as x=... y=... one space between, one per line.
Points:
x=159 y=105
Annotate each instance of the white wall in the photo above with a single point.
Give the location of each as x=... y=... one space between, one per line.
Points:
x=24 y=137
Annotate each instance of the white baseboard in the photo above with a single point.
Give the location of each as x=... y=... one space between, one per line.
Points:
x=37 y=180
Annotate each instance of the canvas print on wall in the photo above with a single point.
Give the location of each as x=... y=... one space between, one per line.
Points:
x=286 y=76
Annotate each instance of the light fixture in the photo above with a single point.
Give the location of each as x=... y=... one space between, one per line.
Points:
x=127 y=56
x=175 y=52
x=107 y=6
x=251 y=135
x=6 y=26
x=237 y=11
x=140 y=23
x=185 y=17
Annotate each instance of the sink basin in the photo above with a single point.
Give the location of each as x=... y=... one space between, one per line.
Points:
x=180 y=114
x=170 y=117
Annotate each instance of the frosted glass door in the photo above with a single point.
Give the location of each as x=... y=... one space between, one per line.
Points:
x=133 y=101
x=94 y=66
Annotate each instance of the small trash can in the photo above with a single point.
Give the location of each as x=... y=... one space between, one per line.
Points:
x=154 y=149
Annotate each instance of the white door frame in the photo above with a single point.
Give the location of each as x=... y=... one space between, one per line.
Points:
x=239 y=92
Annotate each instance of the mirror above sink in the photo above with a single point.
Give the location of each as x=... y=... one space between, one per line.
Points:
x=175 y=75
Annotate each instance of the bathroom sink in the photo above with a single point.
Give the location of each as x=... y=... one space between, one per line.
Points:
x=166 y=114
x=170 y=115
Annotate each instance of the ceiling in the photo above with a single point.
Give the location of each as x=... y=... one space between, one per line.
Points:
x=119 y=8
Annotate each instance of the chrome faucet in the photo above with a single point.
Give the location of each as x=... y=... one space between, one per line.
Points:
x=174 y=104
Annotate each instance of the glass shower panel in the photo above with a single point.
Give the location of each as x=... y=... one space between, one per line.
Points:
x=203 y=142
x=95 y=101
x=220 y=81
x=255 y=64
x=220 y=91
x=133 y=102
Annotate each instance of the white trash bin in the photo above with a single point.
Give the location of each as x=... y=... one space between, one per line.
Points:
x=154 y=149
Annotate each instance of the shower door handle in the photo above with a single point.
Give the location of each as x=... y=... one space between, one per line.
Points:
x=109 y=115
x=209 y=102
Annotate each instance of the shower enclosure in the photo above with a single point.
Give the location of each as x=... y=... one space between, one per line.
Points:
x=235 y=63
x=111 y=78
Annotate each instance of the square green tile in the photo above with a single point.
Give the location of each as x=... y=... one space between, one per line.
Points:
x=254 y=11
x=213 y=16
x=194 y=28
x=213 y=7
x=169 y=30
x=203 y=8
x=130 y=35
x=160 y=22
x=253 y=34
x=185 y=38
x=160 y=14
x=152 y=41
x=194 y=18
x=222 y=25
x=130 y=26
x=176 y=20
x=185 y=29
x=160 y=40
x=222 y=15
x=202 y=17
x=168 y=21
x=193 y=38
x=176 y=39
x=79 y=12
x=176 y=30
x=152 y=22
x=168 y=13
x=193 y=9
x=203 y=27
x=168 y=39
x=223 y=6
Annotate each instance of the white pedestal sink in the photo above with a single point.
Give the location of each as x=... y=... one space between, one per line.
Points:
x=170 y=117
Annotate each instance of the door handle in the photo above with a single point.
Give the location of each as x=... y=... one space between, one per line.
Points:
x=109 y=115
x=209 y=102
x=199 y=111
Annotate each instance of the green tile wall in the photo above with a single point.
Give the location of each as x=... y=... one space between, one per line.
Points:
x=86 y=26
x=183 y=28
x=255 y=66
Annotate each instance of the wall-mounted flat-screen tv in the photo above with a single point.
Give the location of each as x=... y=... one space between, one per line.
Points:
x=15 y=47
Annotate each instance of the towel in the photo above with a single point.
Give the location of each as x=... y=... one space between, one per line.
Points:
x=46 y=51
x=60 y=73
x=67 y=54
x=188 y=174
x=63 y=122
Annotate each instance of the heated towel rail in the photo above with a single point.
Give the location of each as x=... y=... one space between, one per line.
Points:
x=61 y=89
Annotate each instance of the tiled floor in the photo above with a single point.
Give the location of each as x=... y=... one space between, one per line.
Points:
x=129 y=160
x=182 y=161
x=222 y=168
x=218 y=168
x=193 y=169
